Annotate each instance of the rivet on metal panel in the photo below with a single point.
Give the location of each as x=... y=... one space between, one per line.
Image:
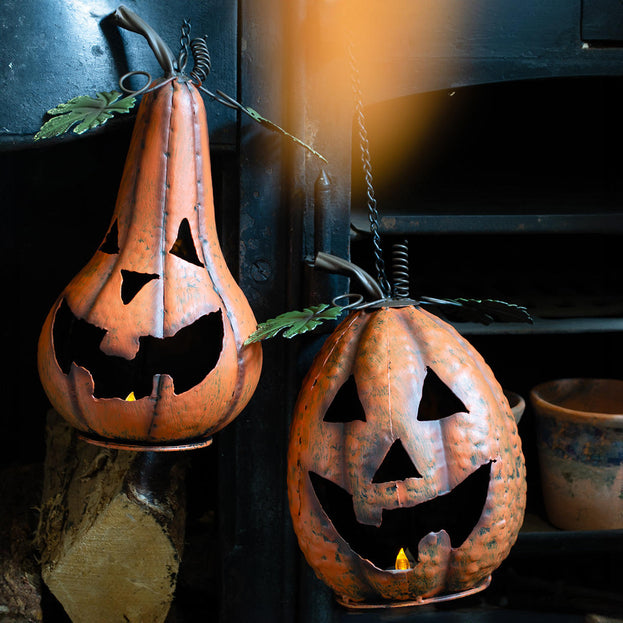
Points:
x=260 y=270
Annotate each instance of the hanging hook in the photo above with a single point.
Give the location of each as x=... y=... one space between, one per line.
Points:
x=364 y=148
x=182 y=58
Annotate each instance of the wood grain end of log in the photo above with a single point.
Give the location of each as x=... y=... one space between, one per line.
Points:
x=111 y=529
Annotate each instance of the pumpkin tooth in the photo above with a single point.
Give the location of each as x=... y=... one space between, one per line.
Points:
x=130 y=397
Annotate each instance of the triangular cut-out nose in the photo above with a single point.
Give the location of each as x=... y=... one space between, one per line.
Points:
x=438 y=400
x=132 y=282
x=397 y=465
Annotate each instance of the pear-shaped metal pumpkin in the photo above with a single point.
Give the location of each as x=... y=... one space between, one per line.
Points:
x=145 y=346
x=406 y=478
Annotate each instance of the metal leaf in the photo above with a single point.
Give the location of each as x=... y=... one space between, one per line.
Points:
x=294 y=322
x=484 y=311
x=85 y=113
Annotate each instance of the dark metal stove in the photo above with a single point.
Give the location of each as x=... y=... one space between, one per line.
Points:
x=516 y=194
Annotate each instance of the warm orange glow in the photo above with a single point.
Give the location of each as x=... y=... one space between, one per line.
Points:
x=392 y=48
x=402 y=562
x=130 y=397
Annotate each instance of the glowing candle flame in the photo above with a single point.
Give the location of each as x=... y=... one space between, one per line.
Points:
x=402 y=562
x=130 y=397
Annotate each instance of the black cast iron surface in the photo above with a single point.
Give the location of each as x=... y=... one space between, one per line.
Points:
x=54 y=50
x=242 y=563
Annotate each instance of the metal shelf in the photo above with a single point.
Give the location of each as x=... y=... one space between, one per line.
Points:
x=542 y=326
x=537 y=534
x=596 y=223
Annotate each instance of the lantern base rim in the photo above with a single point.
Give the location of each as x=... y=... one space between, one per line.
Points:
x=136 y=446
x=420 y=601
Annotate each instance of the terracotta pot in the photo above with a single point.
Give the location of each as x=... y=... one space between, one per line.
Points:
x=580 y=448
x=516 y=403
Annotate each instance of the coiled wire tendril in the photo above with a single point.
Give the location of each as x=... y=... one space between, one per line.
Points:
x=198 y=48
x=400 y=269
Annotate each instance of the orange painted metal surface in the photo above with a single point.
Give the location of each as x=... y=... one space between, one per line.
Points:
x=157 y=302
x=455 y=497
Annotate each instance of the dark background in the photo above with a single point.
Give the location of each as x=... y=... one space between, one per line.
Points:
x=517 y=196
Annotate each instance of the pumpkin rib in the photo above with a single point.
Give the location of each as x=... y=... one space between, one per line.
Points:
x=200 y=188
x=164 y=211
x=485 y=374
x=155 y=107
x=336 y=339
x=308 y=401
x=409 y=322
x=388 y=365
x=501 y=493
x=168 y=105
x=138 y=144
x=205 y=191
x=147 y=113
x=203 y=215
x=82 y=422
x=485 y=369
x=70 y=385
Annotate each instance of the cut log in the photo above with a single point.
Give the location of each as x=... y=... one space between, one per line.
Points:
x=111 y=528
x=20 y=582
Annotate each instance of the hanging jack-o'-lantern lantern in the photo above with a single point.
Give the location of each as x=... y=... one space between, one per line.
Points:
x=406 y=478
x=155 y=316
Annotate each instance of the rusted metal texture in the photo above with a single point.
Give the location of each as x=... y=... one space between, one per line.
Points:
x=155 y=315
x=403 y=438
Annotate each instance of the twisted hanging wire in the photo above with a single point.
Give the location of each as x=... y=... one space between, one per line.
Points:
x=400 y=269
x=373 y=214
x=182 y=58
x=201 y=55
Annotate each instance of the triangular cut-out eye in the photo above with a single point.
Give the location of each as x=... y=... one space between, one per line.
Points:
x=346 y=406
x=438 y=400
x=397 y=465
x=184 y=247
x=132 y=283
x=111 y=243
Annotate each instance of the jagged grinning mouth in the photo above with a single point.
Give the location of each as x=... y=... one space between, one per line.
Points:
x=188 y=356
x=456 y=512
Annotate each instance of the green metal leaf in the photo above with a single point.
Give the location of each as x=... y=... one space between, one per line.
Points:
x=85 y=113
x=294 y=322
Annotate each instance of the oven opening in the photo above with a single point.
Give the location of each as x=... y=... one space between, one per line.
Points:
x=465 y=173
x=548 y=146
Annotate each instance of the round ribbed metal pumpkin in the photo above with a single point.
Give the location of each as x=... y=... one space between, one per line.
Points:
x=406 y=478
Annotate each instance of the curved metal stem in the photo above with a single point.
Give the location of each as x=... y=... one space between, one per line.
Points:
x=131 y=21
x=334 y=264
